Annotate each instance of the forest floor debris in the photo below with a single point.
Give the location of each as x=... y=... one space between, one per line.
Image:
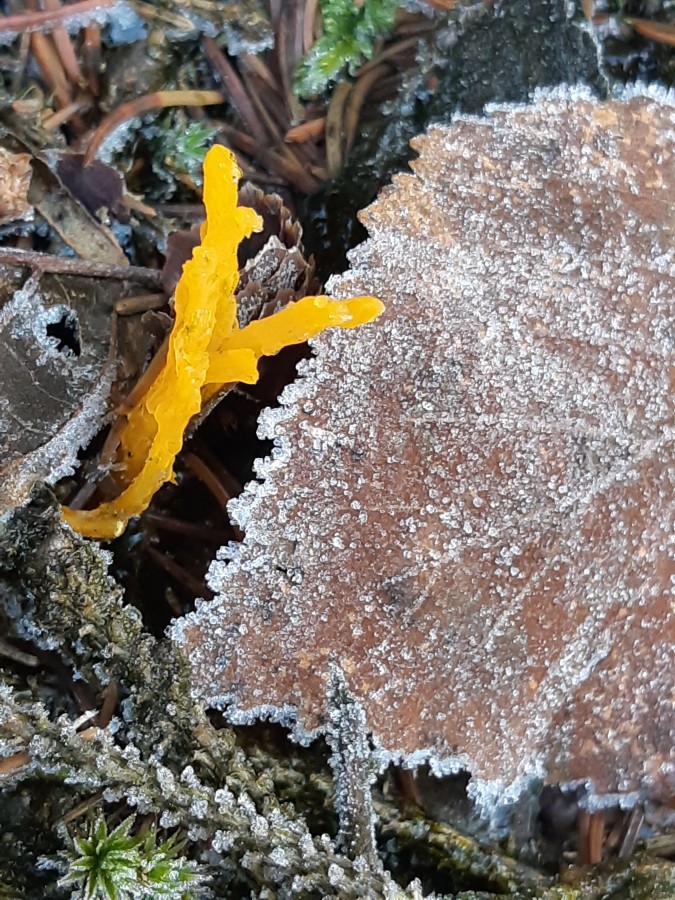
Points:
x=102 y=744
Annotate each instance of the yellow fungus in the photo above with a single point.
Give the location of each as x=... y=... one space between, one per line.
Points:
x=206 y=350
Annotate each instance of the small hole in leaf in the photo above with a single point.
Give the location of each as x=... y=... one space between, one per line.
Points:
x=66 y=330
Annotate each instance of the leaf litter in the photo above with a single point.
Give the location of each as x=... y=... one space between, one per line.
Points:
x=469 y=507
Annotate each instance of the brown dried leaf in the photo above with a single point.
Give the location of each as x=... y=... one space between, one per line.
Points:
x=96 y=186
x=15 y=175
x=470 y=507
x=70 y=219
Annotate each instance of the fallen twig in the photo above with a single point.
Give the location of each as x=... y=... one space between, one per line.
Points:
x=57 y=119
x=287 y=168
x=334 y=129
x=62 y=265
x=64 y=46
x=139 y=303
x=355 y=103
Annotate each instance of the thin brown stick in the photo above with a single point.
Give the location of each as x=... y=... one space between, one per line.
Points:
x=57 y=119
x=20 y=64
x=153 y=13
x=193 y=585
x=591 y=830
x=307 y=131
x=355 y=103
x=92 y=56
x=147 y=103
x=226 y=478
x=290 y=171
x=235 y=89
x=615 y=833
x=390 y=52
x=32 y=21
x=413 y=23
x=596 y=835
x=11 y=764
x=583 y=824
x=19 y=656
x=109 y=704
x=661 y=32
x=443 y=5
x=264 y=114
x=219 y=492
x=635 y=820
x=173 y=602
x=81 y=808
x=139 y=303
x=61 y=265
x=64 y=46
x=188 y=529
x=309 y=24
x=50 y=66
x=334 y=129
x=258 y=67
x=287 y=60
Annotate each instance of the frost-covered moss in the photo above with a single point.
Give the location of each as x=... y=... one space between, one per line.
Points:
x=162 y=756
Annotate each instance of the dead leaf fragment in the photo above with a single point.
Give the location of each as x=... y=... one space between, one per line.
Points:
x=15 y=175
x=469 y=509
x=55 y=372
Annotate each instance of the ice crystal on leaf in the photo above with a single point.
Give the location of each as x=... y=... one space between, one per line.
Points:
x=469 y=509
x=54 y=372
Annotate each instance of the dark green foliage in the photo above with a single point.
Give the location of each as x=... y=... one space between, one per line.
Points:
x=349 y=30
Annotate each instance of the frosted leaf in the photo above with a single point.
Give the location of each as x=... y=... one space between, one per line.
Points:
x=469 y=509
x=55 y=374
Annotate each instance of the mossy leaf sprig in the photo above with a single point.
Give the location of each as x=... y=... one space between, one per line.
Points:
x=349 y=31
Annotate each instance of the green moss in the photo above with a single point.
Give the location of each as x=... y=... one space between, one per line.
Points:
x=349 y=32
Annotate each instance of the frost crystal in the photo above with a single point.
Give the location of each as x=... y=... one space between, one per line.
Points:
x=469 y=508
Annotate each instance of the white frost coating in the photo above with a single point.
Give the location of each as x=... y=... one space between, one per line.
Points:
x=469 y=507
x=58 y=457
x=75 y=23
x=23 y=322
